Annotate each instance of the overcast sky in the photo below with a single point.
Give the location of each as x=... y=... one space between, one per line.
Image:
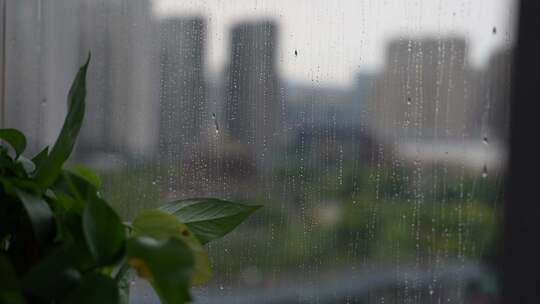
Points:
x=337 y=39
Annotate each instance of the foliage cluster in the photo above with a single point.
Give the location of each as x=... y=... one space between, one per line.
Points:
x=61 y=242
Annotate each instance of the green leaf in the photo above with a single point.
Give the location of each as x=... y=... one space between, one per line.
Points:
x=94 y=288
x=41 y=157
x=64 y=203
x=209 y=218
x=10 y=292
x=24 y=184
x=167 y=264
x=6 y=162
x=161 y=225
x=103 y=231
x=15 y=139
x=88 y=174
x=75 y=186
x=8 y=187
x=40 y=215
x=53 y=276
x=49 y=171
x=71 y=234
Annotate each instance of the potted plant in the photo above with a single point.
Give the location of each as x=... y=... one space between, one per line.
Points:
x=61 y=242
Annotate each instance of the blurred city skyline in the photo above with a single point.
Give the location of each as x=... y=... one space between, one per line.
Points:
x=370 y=130
x=152 y=91
x=331 y=50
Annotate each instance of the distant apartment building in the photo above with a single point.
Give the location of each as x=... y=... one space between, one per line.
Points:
x=492 y=116
x=251 y=90
x=34 y=101
x=433 y=106
x=423 y=91
x=324 y=122
x=53 y=39
x=184 y=116
x=500 y=69
x=122 y=111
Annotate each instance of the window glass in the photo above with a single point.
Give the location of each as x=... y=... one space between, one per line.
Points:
x=373 y=132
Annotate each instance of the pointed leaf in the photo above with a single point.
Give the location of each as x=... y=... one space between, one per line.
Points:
x=161 y=225
x=53 y=276
x=167 y=264
x=209 y=218
x=40 y=215
x=49 y=171
x=15 y=139
x=41 y=157
x=75 y=186
x=103 y=231
x=88 y=174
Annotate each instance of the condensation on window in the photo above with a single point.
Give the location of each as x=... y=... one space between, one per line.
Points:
x=373 y=132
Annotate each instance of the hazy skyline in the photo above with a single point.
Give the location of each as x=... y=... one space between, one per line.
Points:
x=337 y=40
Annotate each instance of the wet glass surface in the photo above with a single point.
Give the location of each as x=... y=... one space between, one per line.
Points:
x=373 y=132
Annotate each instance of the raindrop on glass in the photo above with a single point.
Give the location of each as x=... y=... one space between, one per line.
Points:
x=216 y=124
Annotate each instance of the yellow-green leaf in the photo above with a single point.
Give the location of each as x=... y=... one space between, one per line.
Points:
x=161 y=225
x=167 y=264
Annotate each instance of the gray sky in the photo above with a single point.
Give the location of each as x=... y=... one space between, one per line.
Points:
x=337 y=39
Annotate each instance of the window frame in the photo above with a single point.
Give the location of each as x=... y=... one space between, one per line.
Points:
x=521 y=264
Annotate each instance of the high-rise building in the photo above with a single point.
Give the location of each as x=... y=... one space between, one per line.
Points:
x=96 y=38
x=497 y=110
x=53 y=39
x=251 y=91
x=422 y=92
x=184 y=114
x=122 y=107
x=490 y=120
x=24 y=84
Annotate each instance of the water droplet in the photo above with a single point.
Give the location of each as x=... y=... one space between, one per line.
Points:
x=221 y=287
x=295 y=52
x=485 y=141
x=431 y=292
x=216 y=125
x=484 y=171
x=494 y=30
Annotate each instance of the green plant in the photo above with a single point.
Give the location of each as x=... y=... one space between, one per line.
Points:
x=61 y=242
